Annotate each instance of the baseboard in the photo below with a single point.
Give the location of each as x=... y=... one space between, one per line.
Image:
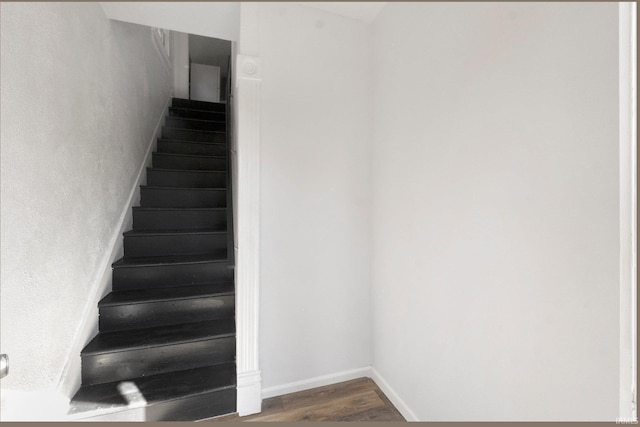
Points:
x=249 y=398
x=400 y=405
x=316 y=382
x=70 y=379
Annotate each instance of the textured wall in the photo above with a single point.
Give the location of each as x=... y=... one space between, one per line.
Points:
x=314 y=258
x=207 y=18
x=80 y=98
x=495 y=209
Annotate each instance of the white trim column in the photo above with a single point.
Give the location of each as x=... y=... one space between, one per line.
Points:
x=248 y=216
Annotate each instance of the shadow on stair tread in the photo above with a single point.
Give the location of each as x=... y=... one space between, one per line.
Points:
x=110 y=342
x=157 y=388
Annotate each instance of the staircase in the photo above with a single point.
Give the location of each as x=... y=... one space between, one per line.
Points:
x=167 y=330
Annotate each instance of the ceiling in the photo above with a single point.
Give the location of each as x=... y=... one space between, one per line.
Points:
x=363 y=11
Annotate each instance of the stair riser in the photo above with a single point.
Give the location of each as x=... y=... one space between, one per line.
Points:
x=164 y=161
x=197 y=114
x=197 y=105
x=175 y=179
x=182 y=198
x=162 y=276
x=183 y=147
x=147 y=315
x=194 y=408
x=122 y=365
x=193 y=135
x=181 y=123
x=177 y=244
x=178 y=219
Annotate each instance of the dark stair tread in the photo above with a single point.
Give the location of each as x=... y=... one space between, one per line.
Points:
x=158 y=336
x=149 y=208
x=157 y=388
x=195 y=130
x=190 y=142
x=142 y=296
x=197 y=120
x=194 y=102
x=198 y=156
x=124 y=262
x=155 y=187
x=198 y=110
x=177 y=231
x=186 y=170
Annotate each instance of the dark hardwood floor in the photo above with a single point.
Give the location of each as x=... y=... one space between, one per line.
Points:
x=355 y=400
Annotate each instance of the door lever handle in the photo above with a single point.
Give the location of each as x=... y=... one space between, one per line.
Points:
x=4 y=365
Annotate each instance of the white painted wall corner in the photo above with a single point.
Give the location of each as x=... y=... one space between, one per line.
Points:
x=324 y=380
x=394 y=397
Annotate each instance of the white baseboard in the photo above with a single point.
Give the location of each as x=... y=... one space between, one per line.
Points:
x=70 y=378
x=316 y=382
x=400 y=405
x=367 y=371
x=249 y=399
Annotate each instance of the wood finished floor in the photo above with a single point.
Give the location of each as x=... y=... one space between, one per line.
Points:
x=355 y=400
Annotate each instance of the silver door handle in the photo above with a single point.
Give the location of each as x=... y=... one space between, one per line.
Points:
x=4 y=365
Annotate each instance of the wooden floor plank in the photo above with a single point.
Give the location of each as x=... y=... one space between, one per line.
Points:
x=327 y=411
x=355 y=400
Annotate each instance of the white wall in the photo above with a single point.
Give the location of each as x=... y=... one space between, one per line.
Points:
x=180 y=61
x=495 y=209
x=80 y=98
x=315 y=194
x=205 y=83
x=211 y=19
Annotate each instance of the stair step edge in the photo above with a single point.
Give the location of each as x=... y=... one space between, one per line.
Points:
x=153 y=169
x=106 y=303
x=196 y=130
x=158 y=345
x=185 y=141
x=197 y=156
x=132 y=262
x=103 y=348
x=155 y=187
x=173 y=232
x=196 y=120
x=148 y=208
